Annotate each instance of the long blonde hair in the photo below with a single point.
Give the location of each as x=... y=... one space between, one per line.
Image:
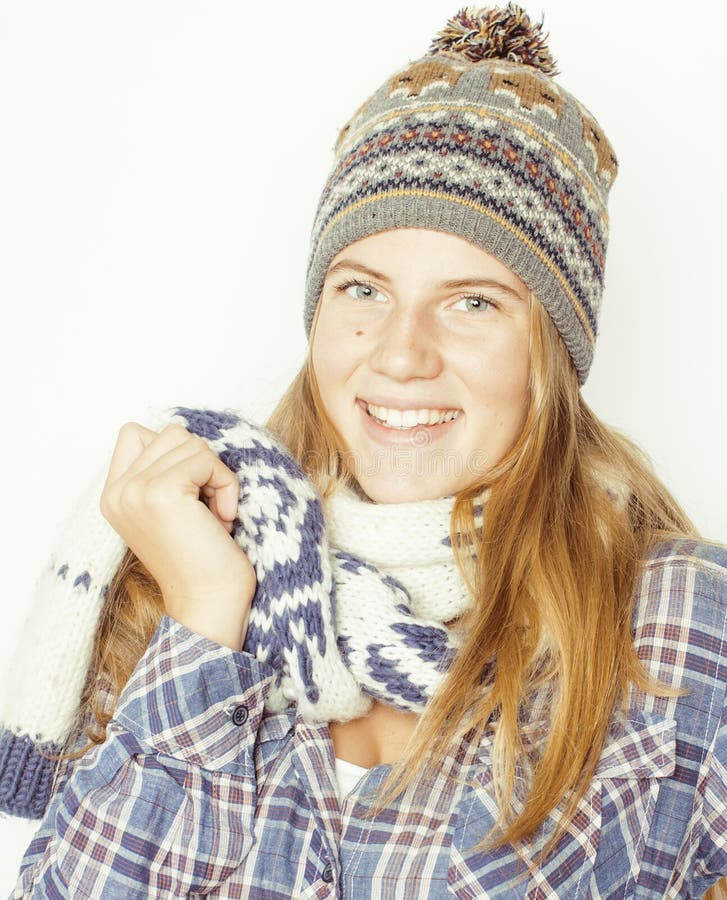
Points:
x=553 y=584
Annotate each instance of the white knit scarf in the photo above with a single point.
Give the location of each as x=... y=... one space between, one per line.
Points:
x=397 y=589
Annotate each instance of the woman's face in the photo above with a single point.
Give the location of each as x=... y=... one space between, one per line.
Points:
x=420 y=326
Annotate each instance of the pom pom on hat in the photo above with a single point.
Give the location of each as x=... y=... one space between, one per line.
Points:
x=496 y=33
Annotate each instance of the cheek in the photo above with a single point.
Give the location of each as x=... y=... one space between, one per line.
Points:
x=499 y=374
x=334 y=353
x=514 y=379
x=498 y=388
x=519 y=378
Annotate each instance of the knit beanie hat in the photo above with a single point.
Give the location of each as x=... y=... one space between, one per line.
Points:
x=477 y=139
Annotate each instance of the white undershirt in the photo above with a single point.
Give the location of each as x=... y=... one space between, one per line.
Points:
x=347 y=774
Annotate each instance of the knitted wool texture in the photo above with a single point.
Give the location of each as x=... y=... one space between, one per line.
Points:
x=350 y=602
x=492 y=149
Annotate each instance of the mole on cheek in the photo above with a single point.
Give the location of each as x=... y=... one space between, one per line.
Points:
x=359 y=333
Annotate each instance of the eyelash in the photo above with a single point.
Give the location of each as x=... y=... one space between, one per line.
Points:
x=340 y=288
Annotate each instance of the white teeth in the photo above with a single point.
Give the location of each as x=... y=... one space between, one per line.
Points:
x=408 y=418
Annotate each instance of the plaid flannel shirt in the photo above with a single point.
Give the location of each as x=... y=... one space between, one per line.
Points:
x=197 y=791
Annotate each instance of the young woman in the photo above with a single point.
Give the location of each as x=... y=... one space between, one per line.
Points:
x=435 y=630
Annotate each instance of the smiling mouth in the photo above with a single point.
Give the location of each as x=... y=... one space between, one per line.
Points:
x=408 y=427
x=406 y=419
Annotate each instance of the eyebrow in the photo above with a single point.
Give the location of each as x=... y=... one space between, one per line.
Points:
x=475 y=280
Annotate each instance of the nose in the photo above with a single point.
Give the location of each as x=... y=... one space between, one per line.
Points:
x=406 y=346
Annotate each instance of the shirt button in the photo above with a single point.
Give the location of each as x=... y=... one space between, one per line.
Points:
x=328 y=873
x=239 y=716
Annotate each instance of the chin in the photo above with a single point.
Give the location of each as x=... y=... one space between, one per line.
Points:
x=398 y=490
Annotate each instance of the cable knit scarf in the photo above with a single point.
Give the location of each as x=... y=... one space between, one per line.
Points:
x=351 y=602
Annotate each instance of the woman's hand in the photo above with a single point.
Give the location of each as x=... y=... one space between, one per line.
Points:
x=173 y=502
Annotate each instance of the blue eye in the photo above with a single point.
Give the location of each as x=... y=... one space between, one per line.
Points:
x=478 y=301
x=362 y=291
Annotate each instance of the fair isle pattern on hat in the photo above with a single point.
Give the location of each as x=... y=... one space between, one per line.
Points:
x=352 y=604
x=491 y=150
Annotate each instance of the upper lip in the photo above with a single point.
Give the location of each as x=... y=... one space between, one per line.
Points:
x=402 y=405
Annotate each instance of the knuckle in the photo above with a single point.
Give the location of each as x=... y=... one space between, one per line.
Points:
x=103 y=505
x=109 y=502
x=131 y=495
x=201 y=449
x=174 y=428
x=128 y=428
x=200 y=443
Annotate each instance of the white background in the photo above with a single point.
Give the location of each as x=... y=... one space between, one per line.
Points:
x=160 y=164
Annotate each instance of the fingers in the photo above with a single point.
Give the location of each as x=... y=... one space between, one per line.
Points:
x=130 y=443
x=137 y=447
x=167 y=493
x=197 y=469
x=215 y=509
x=146 y=465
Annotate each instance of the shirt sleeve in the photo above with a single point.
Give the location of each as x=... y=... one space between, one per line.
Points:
x=710 y=833
x=166 y=804
x=711 y=858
